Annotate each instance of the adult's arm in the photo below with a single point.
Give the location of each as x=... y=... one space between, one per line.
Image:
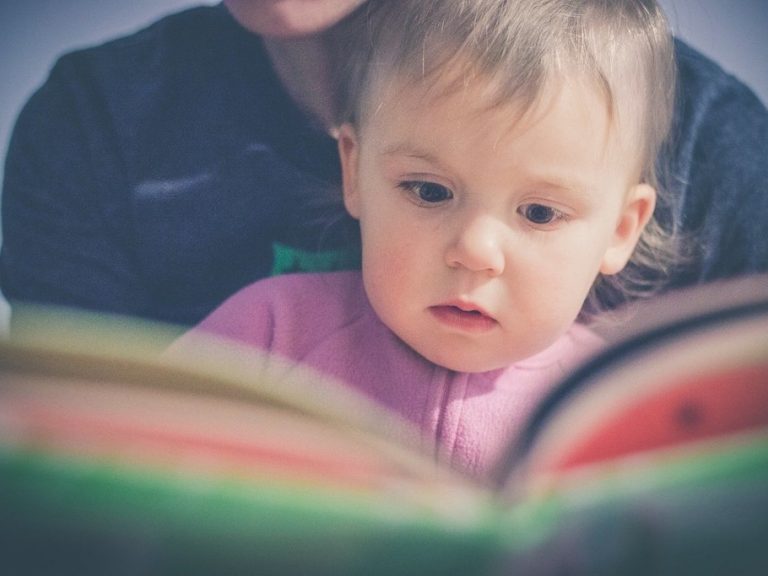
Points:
x=719 y=173
x=64 y=206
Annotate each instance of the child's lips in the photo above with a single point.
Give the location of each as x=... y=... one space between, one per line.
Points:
x=463 y=316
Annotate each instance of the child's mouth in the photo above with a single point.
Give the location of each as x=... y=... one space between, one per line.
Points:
x=464 y=319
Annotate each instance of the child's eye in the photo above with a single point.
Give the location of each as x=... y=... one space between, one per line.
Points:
x=540 y=214
x=426 y=192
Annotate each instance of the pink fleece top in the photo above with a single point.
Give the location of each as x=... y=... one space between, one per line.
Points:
x=325 y=322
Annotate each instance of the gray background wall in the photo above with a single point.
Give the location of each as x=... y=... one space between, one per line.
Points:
x=732 y=32
x=34 y=32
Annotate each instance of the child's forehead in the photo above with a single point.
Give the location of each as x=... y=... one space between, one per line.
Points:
x=445 y=111
x=478 y=94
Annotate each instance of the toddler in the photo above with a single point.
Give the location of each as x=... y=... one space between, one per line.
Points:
x=499 y=157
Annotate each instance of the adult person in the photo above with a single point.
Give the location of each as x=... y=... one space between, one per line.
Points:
x=154 y=175
x=158 y=173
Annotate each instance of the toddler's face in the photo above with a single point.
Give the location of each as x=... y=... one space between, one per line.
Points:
x=483 y=231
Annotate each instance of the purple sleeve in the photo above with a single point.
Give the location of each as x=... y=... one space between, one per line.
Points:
x=247 y=317
x=290 y=315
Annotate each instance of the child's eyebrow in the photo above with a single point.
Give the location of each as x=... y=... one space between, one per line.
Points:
x=575 y=187
x=555 y=180
x=406 y=149
x=544 y=178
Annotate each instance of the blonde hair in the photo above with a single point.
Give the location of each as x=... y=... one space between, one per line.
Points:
x=518 y=46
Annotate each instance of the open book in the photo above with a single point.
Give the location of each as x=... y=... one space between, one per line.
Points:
x=650 y=459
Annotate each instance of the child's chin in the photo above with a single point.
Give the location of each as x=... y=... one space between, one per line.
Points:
x=465 y=363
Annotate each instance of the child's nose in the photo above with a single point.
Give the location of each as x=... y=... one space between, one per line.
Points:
x=478 y=247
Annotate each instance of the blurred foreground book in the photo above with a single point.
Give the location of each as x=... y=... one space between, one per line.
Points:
x=651 y=459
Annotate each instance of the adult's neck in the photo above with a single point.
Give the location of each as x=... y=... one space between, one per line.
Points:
x=305 y=68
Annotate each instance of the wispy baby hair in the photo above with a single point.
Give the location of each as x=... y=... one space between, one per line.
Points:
x=517 y=47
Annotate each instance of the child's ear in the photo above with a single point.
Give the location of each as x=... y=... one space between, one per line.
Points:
x=349 y=154
x=638 y=209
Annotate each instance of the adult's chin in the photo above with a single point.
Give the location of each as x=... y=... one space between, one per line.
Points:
x=290 y=18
